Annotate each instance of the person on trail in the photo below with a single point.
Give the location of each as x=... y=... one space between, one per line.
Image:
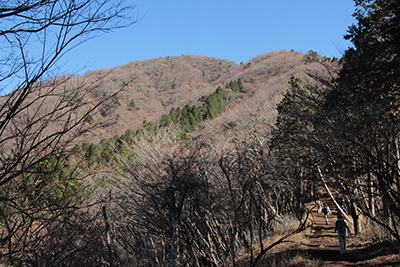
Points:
x=342 y=229
x=326 y=211
x=344 y=209
x=319 y=205
x=341 y=202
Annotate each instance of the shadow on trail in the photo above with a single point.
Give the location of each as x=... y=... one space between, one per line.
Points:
x=327 y=255
x=373 y=251
x=352 y=255
x=323 y=247
x=397 y=263
x=319 y=236
x=320 y=228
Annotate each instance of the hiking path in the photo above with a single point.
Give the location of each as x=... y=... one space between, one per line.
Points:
x=322 y=243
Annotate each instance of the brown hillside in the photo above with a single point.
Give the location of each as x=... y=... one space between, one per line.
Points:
x=162 y=83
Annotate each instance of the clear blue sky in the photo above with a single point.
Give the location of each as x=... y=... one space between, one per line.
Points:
x=226 y=29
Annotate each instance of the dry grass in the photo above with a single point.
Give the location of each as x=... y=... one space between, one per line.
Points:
x=285 y=224
x=286 y=253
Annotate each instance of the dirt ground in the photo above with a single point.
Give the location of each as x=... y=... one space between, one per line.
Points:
x=322 y=244
x=319 y=246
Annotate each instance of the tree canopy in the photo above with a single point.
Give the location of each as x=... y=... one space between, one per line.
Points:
x=350 y=129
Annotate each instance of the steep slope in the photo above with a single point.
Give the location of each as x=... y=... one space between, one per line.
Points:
x=153 y=87
x=162 y=83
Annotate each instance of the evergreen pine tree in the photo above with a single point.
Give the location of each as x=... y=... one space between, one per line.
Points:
x=173 y=114
x=178 y=114
x=165 y=121
x=197 y=114
x=241 y=86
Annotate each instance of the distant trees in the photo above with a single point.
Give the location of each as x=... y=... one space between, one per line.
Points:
x=39 y=188
x=175 y=114
x=165 y=121
x=132 y=105
x=236 y=86
x=189 y=118
x=313 y=56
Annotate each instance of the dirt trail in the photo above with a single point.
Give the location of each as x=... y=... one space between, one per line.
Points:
x=322 y=243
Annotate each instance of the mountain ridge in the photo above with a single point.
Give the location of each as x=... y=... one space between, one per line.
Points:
x=150 y=88
x=162 y=83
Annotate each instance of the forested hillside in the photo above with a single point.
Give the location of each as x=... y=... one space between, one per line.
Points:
x=196 y=161
x=153 y=87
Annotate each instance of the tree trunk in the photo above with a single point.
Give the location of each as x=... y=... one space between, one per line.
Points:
x=371 y=194
x=396 y=143
x=174 y=244
x=108 y=237
x=356 y=217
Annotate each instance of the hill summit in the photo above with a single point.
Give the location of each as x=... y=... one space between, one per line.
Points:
x=162 y=83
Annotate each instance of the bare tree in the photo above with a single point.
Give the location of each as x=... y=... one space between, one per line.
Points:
x=54 y=27
x=160 y=210
x=197 y=203
x=42 y=112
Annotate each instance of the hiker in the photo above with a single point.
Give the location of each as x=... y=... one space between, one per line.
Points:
x=326 y=211
x=342 y=229
x=342 y=203
x=339 y=200
x=319 y=205
x=344 y=209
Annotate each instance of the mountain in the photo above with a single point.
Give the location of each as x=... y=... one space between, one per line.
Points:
x=152 y=87
x=162 y=83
